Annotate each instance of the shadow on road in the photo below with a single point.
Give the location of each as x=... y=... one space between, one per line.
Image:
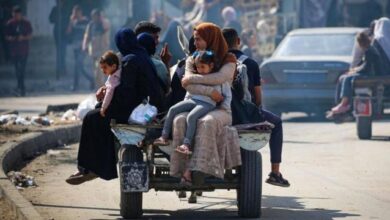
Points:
x=380 y=138
x=277 y=207
x=305 y=118
x=273 y=207
x=73 y=207
x=304 y=142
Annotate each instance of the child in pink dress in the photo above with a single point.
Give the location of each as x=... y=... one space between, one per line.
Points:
x=109 y=64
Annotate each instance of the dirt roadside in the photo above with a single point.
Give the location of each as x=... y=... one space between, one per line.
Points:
x=11 y=133
x=6 y=212
x=45 y=170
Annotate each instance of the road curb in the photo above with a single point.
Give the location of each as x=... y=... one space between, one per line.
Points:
x=14 y=154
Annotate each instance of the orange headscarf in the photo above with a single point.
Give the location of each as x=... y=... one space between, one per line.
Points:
x=213 y=36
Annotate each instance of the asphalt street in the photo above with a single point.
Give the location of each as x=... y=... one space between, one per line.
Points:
x=333 y=175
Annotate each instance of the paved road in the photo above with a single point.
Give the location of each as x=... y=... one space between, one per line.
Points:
x=333 y=175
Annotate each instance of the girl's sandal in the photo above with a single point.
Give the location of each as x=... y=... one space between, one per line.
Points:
x=161 y=142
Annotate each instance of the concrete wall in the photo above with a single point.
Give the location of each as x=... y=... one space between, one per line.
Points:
x=38 y=12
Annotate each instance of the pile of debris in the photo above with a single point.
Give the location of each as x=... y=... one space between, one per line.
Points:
x=14 y=119
x=21 y=180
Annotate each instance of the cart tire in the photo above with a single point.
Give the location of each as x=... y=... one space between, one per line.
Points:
x=131 y=203
x=364 y=127
x=249 y=193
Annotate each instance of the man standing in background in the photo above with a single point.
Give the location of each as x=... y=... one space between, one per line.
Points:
x=97 y=41
x=59 y=17
x=18 y=33
x=76 y=29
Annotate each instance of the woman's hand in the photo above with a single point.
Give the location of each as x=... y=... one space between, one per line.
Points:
x=216 y=96
x=100 y=93
x=185 y=82
x=103 y=112
x=166 y=55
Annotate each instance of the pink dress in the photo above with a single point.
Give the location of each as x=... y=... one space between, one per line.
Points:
x=112 y=82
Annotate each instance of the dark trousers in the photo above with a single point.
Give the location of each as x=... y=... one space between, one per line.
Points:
x=20 y=70
x=276 y=141
x=338 y=89
x=60 y=56
x=346 y=86
x=79 y=69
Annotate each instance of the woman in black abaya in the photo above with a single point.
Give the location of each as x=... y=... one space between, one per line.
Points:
x=96 y=156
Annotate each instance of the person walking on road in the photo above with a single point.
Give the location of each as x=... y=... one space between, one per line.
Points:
x=76 y=29
x=18 y=33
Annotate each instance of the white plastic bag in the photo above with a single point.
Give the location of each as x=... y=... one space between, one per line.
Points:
x=4 y=119
x=85 y=106
x=144 y=113
x=69 y=115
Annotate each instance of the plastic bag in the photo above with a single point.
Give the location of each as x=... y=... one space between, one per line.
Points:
x=144 y=113
x=69 y=115
x=85 y=106
x=4 y=119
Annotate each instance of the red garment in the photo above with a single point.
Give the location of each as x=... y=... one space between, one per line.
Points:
x=16 y=28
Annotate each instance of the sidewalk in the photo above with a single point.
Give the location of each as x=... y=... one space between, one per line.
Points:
x=33 y=105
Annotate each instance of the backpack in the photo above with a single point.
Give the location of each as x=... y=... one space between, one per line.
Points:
x=241 y=80
x=243 y=110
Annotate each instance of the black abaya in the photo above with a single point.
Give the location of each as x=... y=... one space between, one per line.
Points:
x=97 y=148
x=97 y=151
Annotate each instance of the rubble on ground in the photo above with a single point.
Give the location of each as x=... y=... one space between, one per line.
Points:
x=14 y=119
x=21 y=180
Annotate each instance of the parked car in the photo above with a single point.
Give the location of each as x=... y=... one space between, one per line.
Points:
x=302 y=73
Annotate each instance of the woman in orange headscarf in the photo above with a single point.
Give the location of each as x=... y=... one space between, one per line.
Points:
x=216 y=146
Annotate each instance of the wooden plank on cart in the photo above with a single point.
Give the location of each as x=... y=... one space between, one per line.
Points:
x=131 y=134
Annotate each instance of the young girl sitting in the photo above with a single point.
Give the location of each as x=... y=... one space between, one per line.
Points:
x=197 y=105
x=109 y=64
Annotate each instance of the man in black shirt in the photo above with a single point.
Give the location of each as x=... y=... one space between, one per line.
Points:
x=254 y=86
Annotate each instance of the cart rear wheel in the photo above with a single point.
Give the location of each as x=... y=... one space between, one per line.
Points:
x=249 y=193
x=131 y=202
x=364 y=127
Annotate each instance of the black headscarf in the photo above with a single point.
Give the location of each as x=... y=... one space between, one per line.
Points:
x=147 y=41
x=126 y=42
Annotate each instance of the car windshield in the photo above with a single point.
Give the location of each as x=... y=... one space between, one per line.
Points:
x=317 y=45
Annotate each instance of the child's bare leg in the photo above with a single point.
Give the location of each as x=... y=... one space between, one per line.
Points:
x=187 y=175
x=180 y=107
